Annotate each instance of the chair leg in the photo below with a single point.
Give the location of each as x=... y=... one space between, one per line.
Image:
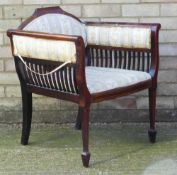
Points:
x=152 y=112
x=79 y=120
x=27 y=115
x=85 y=135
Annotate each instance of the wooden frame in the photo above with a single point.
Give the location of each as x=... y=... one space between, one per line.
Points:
x=83 y=97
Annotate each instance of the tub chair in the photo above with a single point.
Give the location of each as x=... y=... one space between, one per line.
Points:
x=58 y=55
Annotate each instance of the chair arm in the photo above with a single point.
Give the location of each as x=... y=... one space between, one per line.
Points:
x=51 y=48
x=43 y=46
x=123 y=45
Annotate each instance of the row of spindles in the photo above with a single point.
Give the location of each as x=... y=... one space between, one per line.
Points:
x=131 y=60
x=63 y=80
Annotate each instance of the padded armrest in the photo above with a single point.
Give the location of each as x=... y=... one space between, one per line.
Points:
x=37 y=45
x=116 y=35
x=55 y=50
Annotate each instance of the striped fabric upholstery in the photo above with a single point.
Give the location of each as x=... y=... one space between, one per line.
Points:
x=58 y=24
x=102 y=79
x=55 y=50
x=119 y=36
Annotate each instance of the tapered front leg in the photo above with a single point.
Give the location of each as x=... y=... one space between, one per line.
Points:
x=152 y=114
x=79 y=119
x=27 y=115
x=85 y=135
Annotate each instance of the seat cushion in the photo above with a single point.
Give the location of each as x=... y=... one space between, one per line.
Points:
x=102 y=79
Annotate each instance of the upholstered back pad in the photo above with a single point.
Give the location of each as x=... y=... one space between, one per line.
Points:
x=119 y=36
x=57 y=24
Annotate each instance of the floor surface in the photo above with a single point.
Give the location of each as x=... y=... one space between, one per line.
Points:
x=116 y=149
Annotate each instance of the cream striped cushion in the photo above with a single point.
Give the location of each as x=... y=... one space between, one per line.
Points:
x=44 y=49
x=58 y=24
x=102 y=79
x=119 y=36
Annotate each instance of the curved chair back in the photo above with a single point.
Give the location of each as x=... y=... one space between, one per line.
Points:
x=56 y=23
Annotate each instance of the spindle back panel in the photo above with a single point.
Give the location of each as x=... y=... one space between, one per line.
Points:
x=119 y=58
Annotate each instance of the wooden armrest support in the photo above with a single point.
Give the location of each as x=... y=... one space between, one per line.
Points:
x=132 y=24
x=43 y=35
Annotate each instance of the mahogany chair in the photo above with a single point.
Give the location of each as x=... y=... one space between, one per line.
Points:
x=59 y=56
